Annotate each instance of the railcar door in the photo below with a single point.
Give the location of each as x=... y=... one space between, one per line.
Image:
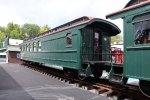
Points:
x=101 y=46
x=106 y=56
x=95 y=45
x=97 y=56
x=87 y=44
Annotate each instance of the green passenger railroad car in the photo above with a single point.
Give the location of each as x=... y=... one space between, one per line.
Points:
x=81 y=46
x=136 y=21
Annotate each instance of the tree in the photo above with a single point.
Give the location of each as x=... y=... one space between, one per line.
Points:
x=44 y=28
x=13 y=31
x=15 y=34
x=2 y=36
x=2 y=29
x=30 y=30
x=116 y=39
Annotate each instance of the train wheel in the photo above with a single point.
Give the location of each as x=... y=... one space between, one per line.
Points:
x=67 y=72
x=145 y=87
x=82 y=75
x=97 y=74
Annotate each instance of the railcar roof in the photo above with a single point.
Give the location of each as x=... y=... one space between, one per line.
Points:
x=130 y=6
x=78 y=22
x=65 y=26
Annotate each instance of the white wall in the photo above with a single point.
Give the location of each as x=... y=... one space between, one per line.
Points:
x=15 y=41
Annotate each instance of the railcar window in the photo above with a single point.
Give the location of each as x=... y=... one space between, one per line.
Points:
x=69 y=39
x=21 y=47
x=24 y=48
x=27 y=49
x=142 y=29
x=96 y=40
x=34 y=46
x=31 y=47
x=39 y=46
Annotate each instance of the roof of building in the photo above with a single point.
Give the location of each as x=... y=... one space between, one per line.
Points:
x=131 y=5
x=13 y=48
x=2 y=49
x=15 y=42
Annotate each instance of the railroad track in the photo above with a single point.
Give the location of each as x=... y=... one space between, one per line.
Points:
x=99 y=86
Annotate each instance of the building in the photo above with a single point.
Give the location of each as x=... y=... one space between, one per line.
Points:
x=11 y=50
x=2 y=54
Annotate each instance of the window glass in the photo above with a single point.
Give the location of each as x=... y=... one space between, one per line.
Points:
x=31 y=47
x=69 y=39
x=39 y=46
x=27 y=48
x=142 y=29
x=24 y=48
x=21 y=48
x=34 y=46
x=96 y=39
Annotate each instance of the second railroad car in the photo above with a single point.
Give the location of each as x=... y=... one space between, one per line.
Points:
x=81 y=46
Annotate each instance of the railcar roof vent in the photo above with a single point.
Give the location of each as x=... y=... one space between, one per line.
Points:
x=72 y=23
x=68 y=25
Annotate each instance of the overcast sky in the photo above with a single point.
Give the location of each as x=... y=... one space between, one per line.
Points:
x=55 y=12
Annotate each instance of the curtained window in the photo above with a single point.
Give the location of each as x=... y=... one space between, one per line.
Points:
x=69 y=39
x=142 y=29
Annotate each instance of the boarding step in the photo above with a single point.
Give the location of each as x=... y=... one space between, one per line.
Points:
x=116 y=78
x=118 y=65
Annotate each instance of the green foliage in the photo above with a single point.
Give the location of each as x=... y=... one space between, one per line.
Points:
x=16 y=32
x=44 y=28
x=30 y=30
x=13 y=31
x=2 y=35
x=2 y=29
x=116 y=39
